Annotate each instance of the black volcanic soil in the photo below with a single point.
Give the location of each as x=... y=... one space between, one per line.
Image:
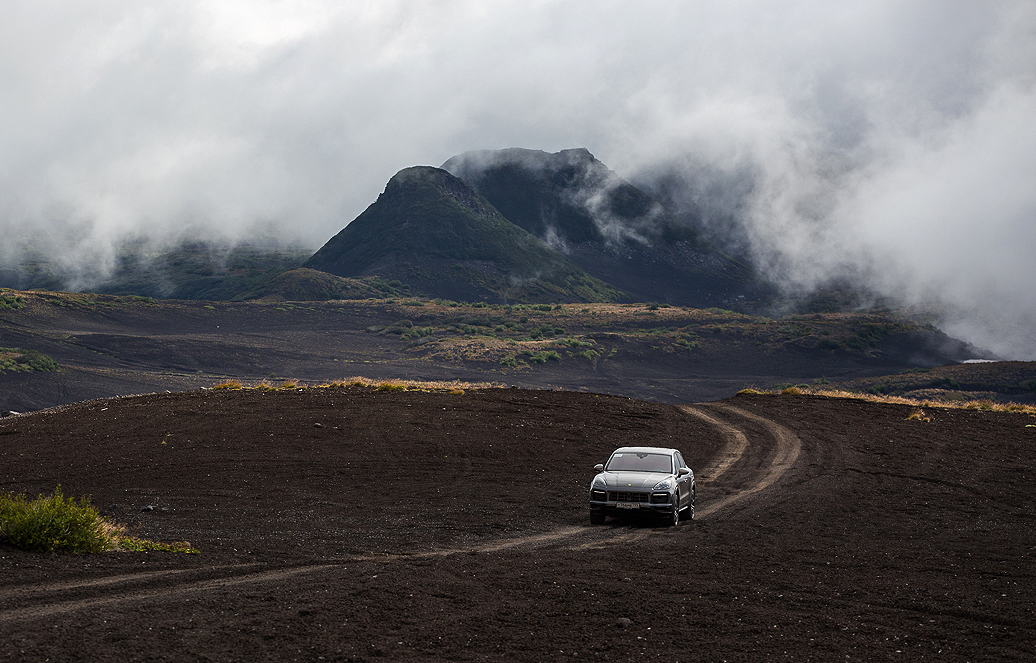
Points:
x=352 y=524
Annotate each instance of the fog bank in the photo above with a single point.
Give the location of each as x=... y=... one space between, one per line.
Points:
x=890 y=142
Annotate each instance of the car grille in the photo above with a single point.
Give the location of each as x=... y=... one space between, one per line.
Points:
x=627 y=497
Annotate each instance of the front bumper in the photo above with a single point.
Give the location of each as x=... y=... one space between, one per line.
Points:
x=618 y=503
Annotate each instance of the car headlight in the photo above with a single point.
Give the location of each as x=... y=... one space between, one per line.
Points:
x=599 y=481
x=664 y=484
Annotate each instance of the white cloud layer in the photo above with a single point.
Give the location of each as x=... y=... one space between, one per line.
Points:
x=895 y=141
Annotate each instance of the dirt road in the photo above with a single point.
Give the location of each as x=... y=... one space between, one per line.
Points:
x=427 y=526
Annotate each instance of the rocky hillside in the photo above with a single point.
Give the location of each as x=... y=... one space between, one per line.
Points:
x=431 y=231
x=607 y=226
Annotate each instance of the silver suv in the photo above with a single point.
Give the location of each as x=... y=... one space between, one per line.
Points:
x=643 y=480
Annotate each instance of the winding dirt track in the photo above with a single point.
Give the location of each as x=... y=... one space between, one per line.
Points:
x=742 y=468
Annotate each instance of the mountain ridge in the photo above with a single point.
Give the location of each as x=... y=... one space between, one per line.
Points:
x=432 y=231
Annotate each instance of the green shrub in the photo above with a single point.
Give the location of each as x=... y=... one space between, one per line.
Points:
x=417 y=332
x=510 y=361
x=13 y=359
x=37 y=361
x=11 y=302
x=52 y=524
x=138 y=298
x=62 y=524
x=543 y=356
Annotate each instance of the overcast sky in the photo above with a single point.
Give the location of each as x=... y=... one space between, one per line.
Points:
x=892 y=140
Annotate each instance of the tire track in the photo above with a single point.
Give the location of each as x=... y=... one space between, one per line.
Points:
x=50 y=609
x=733 y=466
x=786 y=449
x=737 y=444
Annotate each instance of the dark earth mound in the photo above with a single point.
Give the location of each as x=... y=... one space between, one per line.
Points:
x=340 y=524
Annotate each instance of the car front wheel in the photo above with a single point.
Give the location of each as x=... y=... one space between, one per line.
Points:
x=674 y=517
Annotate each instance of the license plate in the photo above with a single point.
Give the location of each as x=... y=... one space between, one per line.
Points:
x=628 y=505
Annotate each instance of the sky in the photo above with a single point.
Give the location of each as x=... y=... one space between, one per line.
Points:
x=893 y=143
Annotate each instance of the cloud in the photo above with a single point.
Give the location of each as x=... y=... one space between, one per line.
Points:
x=891 y=141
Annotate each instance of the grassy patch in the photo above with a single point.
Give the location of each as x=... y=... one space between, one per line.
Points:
x=55 y=523
x=13 y=359
x=11 y=302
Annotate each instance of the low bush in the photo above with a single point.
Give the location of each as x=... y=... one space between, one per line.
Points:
x=13 y=359
x=543 y=356
x=51 y=524
x=56 y=523
x=38 y=361
x=11 y=302
x=509 y=361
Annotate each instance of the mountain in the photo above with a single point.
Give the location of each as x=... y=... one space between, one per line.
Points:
x=433 y=232
x=607 y=226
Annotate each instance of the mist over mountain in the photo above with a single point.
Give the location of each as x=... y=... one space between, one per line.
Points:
x=209 y=269
x=607 y=226
x=885 y=145
x=433 y=232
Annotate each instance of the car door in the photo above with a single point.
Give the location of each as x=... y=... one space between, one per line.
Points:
x=683 y=483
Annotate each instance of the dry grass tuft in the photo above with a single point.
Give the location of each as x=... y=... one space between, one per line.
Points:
x=919 y=415
x=451 y=386
x=984 y=405
x=229 y=384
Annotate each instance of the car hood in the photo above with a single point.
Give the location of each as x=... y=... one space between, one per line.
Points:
x=620 y=480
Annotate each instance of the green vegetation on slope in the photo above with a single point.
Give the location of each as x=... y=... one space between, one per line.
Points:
x=13 y=359
x=311 y=285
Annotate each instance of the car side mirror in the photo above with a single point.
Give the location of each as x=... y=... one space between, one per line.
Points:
x=682 y=472
x=599 y=467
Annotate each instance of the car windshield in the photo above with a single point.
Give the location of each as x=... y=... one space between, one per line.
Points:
x=640 y=462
